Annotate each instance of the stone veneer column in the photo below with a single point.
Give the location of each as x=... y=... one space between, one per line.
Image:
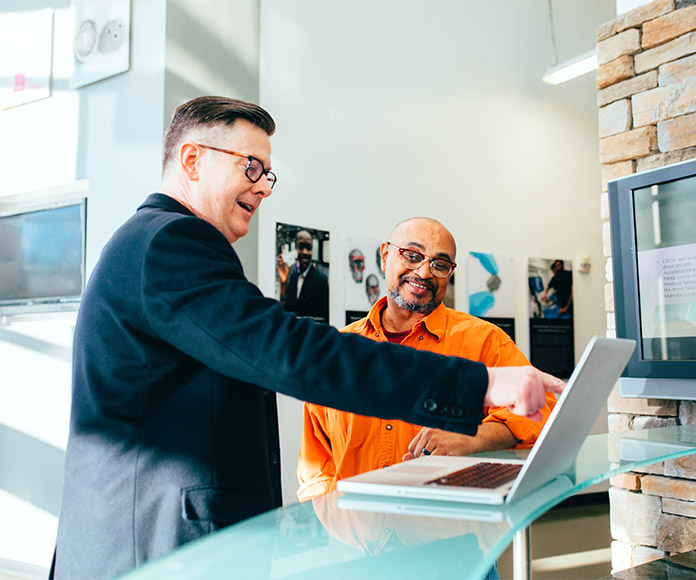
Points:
x=646 y=93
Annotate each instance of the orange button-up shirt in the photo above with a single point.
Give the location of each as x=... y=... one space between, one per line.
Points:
x=336 y=444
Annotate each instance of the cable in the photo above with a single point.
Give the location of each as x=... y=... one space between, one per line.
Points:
x=553 y=34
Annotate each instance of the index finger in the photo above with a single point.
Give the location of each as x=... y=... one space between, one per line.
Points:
x=552 y=384
x=412 y=446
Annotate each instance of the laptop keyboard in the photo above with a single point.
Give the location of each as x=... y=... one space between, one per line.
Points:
x=483 y=475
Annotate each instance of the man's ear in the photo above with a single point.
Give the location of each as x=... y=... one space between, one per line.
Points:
x=189 y=158
x=383 y=250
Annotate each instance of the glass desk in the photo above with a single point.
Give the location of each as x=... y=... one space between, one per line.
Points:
x=351 y=536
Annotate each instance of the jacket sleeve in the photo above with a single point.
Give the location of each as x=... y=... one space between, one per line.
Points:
x=524 y=430
x=197 y=299
x=316 y=469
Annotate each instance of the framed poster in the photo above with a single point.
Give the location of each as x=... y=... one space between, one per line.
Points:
x=363 y=275
x=26 y=45
x=491 y=289
x=302 y=271
x=551 y=328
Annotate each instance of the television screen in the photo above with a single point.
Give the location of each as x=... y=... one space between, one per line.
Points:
x=42 y=258
x=665 y=219
x=653 y=237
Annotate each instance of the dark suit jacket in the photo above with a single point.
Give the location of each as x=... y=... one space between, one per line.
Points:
x=173 y=428
x=313 y=300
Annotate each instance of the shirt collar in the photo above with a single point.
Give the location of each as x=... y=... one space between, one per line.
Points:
x=164 y=201
x=435 y=323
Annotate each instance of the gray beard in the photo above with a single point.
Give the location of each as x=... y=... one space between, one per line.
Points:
x=418 y=307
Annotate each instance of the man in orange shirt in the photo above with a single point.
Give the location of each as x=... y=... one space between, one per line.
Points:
x=418 y=261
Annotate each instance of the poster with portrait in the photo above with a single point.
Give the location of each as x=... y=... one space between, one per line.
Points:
x=101 y=40
x=302 y=271
x=363 y=275
x=551 y=328
x=26 y=45
x=491 y=290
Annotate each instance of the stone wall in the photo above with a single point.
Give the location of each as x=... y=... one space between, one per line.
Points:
x=646 y=93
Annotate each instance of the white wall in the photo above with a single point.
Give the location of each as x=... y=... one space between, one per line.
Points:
x=213 y=49
x=392 y=109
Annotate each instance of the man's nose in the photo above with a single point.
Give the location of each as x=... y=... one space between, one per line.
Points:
x=264 y=187
x=423 y=269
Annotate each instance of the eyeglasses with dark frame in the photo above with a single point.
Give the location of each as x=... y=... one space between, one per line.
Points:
x=439 y=267
x=254 y=168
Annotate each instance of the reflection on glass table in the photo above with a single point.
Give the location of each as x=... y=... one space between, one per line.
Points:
x=350 y=536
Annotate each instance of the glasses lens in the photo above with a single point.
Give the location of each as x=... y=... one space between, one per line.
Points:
x=254 y=169
x=440 y=268
x=411 y=259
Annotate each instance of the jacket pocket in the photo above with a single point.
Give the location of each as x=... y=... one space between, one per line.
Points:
x=222 y=505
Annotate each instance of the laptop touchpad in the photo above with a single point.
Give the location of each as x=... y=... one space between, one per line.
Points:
x=412 y=468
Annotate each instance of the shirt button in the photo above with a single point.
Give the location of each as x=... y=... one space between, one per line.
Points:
x=377 y=334
x=457 y=411
x=274 y=458
x=420 y=338
x=389 y=427
x=430 y=405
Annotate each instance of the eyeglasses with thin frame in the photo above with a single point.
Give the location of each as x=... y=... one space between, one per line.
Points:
x=439 y=267
x=254 y=168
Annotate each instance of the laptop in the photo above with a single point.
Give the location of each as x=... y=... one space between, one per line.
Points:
x=497 y=481
x=457 y=510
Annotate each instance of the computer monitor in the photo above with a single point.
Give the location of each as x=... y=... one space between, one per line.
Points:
x=653 y=237
x=42 y=256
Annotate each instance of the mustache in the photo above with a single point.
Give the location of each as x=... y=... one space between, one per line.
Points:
x=418 y=280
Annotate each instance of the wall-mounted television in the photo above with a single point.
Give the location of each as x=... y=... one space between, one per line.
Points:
x=42 y=258
x=653 y=237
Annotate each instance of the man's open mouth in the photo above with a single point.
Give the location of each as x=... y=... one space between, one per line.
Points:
x=418 y=284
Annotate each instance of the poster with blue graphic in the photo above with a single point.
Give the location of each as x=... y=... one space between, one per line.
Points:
x=491 y=290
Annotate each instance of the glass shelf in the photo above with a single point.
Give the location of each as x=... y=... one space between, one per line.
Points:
x=351 y=536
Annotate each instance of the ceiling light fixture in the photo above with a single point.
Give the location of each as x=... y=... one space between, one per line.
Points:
x=570 y=69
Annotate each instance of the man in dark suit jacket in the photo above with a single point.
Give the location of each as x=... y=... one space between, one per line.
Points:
x=173 y=430
x=312 y=299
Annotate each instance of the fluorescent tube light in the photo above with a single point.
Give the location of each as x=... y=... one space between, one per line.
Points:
x=571 y=69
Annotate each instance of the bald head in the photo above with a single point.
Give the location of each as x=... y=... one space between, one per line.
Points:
x=304 y=235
